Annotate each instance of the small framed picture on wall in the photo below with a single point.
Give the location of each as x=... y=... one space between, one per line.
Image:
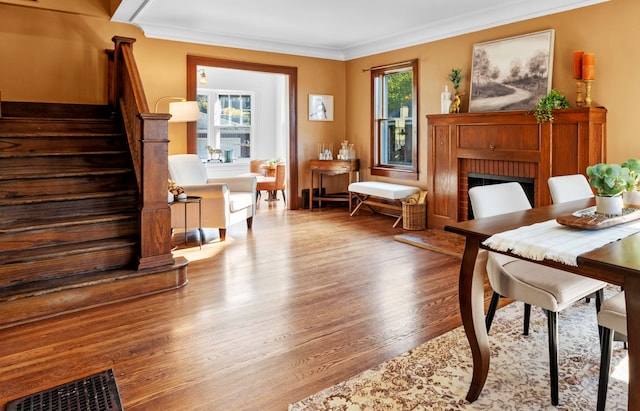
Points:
x=320 y=107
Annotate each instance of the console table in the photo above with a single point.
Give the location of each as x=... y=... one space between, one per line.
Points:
x=332 y=168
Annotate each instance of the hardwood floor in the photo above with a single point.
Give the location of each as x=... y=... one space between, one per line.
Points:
x=302 y=301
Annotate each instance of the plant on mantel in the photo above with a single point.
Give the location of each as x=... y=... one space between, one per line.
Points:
x=552 y=101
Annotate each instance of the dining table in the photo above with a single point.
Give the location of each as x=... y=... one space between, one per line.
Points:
x=617 y=263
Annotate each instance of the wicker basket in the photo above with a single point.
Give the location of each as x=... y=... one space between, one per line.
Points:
x=414 y=216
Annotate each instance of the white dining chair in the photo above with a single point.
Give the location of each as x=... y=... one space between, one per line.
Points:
x=533 y=284
x=569 y=188
x=612 y=318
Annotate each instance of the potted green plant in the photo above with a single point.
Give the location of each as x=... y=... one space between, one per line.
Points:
x=552 y=101
x=631 y=195
x=609 y=182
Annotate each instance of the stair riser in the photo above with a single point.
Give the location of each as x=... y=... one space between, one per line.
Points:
x=58 y=235
x=13 y=214
x=24 y=309
x=56 y=266
x=34 y=188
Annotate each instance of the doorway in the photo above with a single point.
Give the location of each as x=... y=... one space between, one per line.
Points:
x=291 y=74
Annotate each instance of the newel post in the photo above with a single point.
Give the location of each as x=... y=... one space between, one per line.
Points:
x=155 y=213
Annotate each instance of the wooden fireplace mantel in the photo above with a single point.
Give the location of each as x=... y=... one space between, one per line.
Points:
x=511 y=144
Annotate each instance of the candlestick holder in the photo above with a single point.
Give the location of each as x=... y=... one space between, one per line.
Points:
x=579 y=98
x=587 y=98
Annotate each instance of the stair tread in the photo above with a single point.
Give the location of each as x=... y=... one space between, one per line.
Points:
x=63 y=197
x=51 y=174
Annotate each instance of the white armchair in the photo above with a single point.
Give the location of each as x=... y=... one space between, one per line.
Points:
x=225 y=201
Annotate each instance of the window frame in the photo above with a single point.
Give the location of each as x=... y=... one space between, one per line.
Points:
x=213 y=125
x=378 y=167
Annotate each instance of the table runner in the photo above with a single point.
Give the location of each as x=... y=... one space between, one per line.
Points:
x=557 y=242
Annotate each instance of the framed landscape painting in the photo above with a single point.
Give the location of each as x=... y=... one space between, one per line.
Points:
x=512 y=73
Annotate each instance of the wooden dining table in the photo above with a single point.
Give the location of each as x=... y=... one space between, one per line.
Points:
x=617 y=263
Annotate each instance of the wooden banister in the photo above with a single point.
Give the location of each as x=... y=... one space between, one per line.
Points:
x=147 y=134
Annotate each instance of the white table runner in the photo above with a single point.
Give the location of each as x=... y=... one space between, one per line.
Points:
x=557 y=242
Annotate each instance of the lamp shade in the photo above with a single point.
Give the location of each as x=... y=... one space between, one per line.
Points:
x=184 y=111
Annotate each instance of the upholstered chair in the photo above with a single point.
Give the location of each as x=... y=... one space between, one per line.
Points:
x=274 y=184
x=611 y=318
x=225 y=201
x=569 y=188
x=533 y=284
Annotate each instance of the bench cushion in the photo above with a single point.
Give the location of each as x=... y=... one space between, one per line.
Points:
x=383 y=190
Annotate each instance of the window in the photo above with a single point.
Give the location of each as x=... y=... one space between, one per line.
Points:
x=395 y=131
x=227 y=124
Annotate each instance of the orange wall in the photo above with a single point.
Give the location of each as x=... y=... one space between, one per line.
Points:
x=610 y=30
x=50 y=56
x=54 y=56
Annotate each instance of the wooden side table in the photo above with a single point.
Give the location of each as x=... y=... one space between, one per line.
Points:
x=332 y=168
x=185 y=203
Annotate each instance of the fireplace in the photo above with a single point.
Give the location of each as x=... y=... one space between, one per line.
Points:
x=478 y=179
x=507 y=146
x=481 y=172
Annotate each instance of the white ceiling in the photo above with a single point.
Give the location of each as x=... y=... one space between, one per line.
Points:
x=333 y=29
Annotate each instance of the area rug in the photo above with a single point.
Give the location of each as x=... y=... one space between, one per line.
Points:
x=435 y=240
x=436 y=375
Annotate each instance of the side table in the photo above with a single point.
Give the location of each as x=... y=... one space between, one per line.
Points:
x=332 y=168
x=185 y=203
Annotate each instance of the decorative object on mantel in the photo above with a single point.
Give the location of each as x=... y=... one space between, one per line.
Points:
x=609 y=183
x=511 y=73
x=631 y=194
x=584 y=72
x=454 y=104
x=552 y=101
x=445 y=100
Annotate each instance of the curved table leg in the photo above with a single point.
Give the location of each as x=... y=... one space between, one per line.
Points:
x=471 y=297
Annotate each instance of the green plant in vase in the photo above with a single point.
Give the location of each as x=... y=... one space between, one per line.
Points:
x=455 y=77
x=552 y=101
x=631 y=195
x=609 y=182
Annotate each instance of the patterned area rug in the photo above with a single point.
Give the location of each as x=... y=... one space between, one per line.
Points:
x=436 y=375
x=435 y=240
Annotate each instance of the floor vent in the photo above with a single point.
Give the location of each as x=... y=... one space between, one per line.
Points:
x=97 y=392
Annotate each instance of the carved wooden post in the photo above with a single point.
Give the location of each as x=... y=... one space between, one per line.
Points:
x=155 y=213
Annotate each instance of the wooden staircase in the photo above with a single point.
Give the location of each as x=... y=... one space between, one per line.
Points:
x=70 y=221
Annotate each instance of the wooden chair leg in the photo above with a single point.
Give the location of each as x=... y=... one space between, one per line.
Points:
x=552 y=323
x=284 y=197
x=493 y=305
x=606 y=342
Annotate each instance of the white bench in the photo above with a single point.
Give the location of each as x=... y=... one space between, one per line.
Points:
x=379 y=194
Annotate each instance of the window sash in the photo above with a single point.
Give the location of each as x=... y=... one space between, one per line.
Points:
x=394 y=136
